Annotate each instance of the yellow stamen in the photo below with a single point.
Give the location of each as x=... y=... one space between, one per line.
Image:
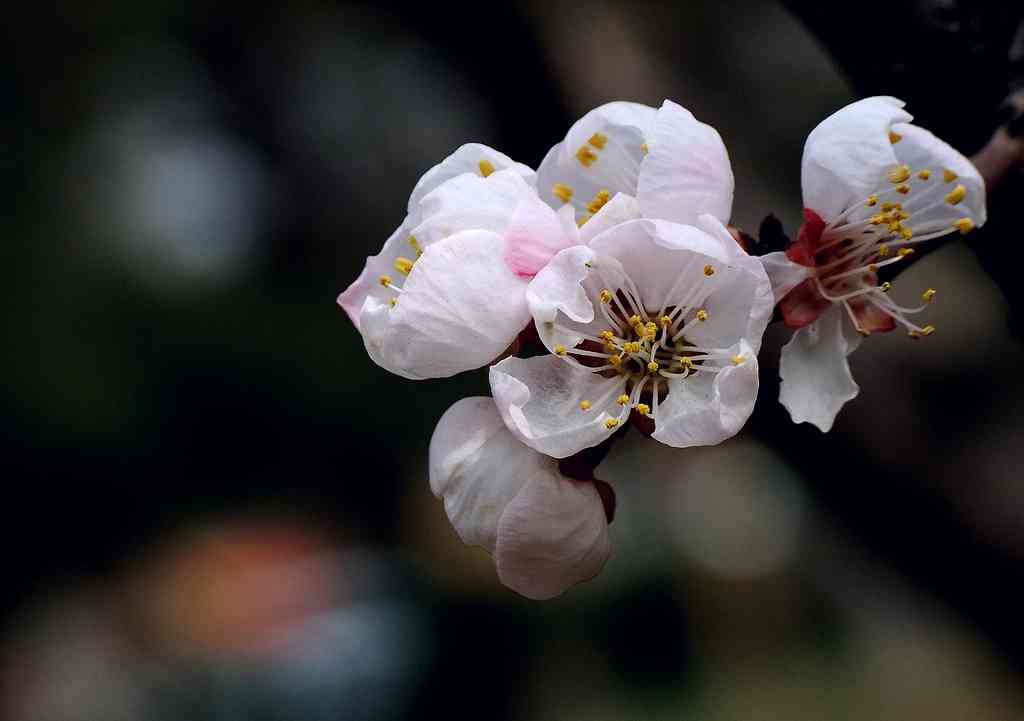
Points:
x=928 y=295
x=622 y=400
x=928 y=330
x=403 y=265
x=872 y=200
x=902 y=188
x=665 y=320
x=709 y=271
x=964 y=225
x=562 y=191
x=610 y=423
x=906 y=232
x=956 y=195
x=634 y=320
x=873 y=268
x=560 y=349
x=913 y=334
x=702 y=315
x=904 y=252
x=415 y=245
x=643 y=409
x=385 y=280
x=644 y=148
x=584 y=405
x=599 y=201
x=393 y=302
x=884 y=250
x=486 y=167
x=606 y=296
x=885 y=287
x=949 y=176
x=886 y=207
x=598 y=140
x=899 y=174
x=653 y=366
x=864 y=332
x=738 y=360
x=924 y=174
x=606 y=335
x=894 y=137
x=615 y=360
x=586 y=156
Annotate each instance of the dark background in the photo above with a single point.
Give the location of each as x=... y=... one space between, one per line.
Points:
x=217 y=505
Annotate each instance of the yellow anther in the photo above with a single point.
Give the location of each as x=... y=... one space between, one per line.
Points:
x=949 y=176
x=906 y=232
x=611 y=423
x=653 y=366
x=562 y=191
x=913 y=334
x=709 y=271
x=615 y=360
x=894 y=137
x=956 y=195
x=886 y=207
x=702 y=315
x=872 y=200
x=964 y=225
x=584 y=405
x=486 y=167
x=924 y=174
x=884 y=250
x=633 y=347
x=928 y=295
x=416 y=245
x=864 y=332
x=623 y=400
x=651 y=327
x=598 y=140
x=899 y=174
x=634 y=320
x=607 y=335
x=685 y=362
x=928 y=330
x=904 y=252
x=643 y=409
x=385 y=280
x=599 y=201
x=885 y=287
x=873 y=268
x=894 y=226
x=403 y=265
x=900 y=214
x=644 y=148
x=665 y=321
x=738 y=360
x=902 y=188
x=606 y=296
x=393 y=302
x=560 y=349
x=879 y=219
x=586 y=156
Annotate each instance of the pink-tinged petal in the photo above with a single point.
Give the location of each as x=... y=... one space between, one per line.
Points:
x=466 y=159
x=368 y=282
x=686 y=171
x=533 y=236
x=477 y=466
x=870 y=317
x=540 y=401
x=847 y=156
x=552 y=536
x=459 y=309
x=784 y=274
x=708 y=408
x=803 y=305
x=816 y=378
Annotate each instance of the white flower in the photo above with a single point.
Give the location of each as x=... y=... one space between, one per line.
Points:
x=670 y=166
x=446 y=294
x=654 y=317
x=546 y=532
x=873 y=187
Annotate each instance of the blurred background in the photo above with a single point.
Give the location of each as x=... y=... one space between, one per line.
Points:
x=217 y=506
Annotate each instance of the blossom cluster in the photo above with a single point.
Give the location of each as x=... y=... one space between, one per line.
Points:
x=615 y=260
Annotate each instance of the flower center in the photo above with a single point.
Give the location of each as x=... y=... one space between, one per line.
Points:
x=646 y=349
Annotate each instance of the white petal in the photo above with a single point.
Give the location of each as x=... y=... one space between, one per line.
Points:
x=459 y=309
x=614 y=167
x=921 y=150
x=465 y=159
x=686 y=171
x=553 y=535
x=477 y=466
x=784 y=274
x=539 y=399
x=707 y=408
x=619 y=209
x=368 y=282
x=654 y=253
x=558 y=288
x=816 y=379
x=847 y=156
